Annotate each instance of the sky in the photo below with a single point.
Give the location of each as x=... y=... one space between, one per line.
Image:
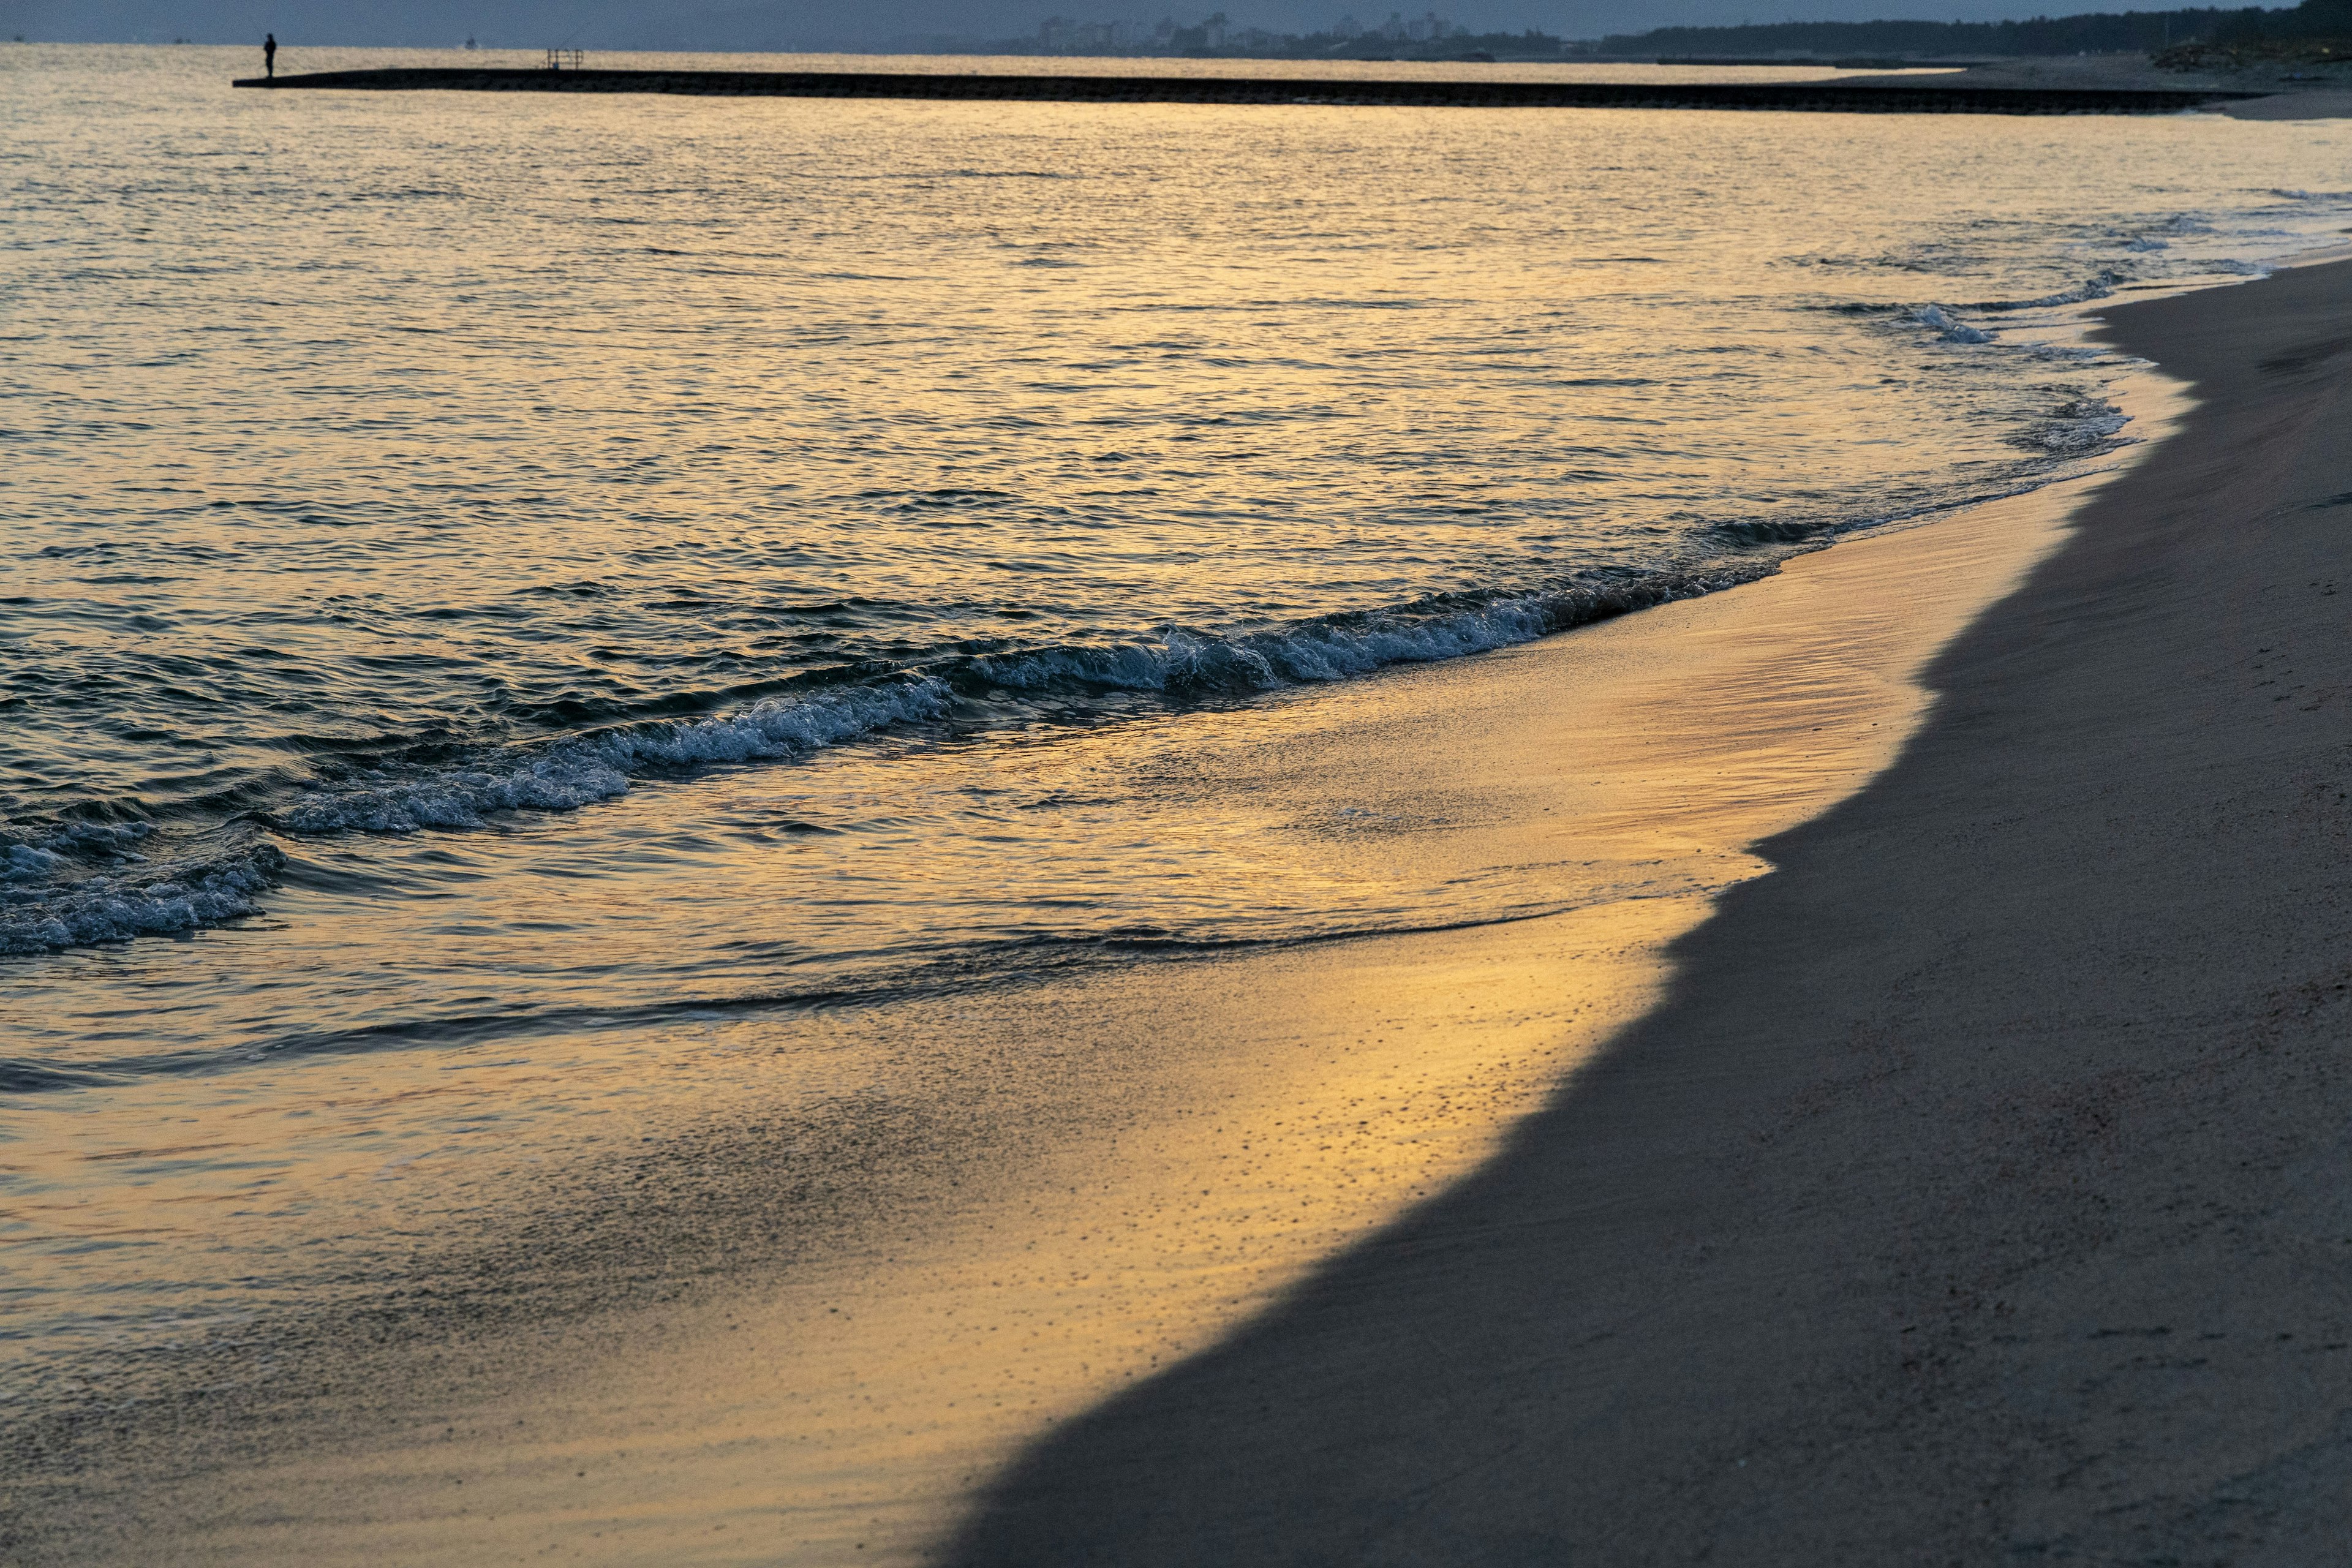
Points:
x=811 y=23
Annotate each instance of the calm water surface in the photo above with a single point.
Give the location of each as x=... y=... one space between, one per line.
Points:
x=482 y=565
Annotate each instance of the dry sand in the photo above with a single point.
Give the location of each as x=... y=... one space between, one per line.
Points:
x=1983 y=1189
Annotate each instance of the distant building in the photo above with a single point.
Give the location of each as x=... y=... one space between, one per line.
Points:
x=1058 y=35
x=1218 y=34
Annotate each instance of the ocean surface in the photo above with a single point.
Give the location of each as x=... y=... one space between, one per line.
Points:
x=608 y=559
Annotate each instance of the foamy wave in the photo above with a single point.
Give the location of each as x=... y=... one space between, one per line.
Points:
x=2075 y=353
x=1175 y=662
x=2089 y=288
x=1187 y=663
x=579 y=773
x=1948 y=327
x=82 y=884
x=2077 y=427
x=48 y=904
x=1184 y=663
x=28 y=855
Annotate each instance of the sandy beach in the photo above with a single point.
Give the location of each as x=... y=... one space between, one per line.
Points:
x=1978 y=1192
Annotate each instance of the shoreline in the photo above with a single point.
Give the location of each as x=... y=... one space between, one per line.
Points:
x=1977 y=1189
x=1773 y=701
x=530 y=1189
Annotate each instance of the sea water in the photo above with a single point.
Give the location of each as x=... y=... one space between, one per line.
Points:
x=480 y=568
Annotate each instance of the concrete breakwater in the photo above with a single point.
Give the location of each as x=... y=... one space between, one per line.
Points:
x=1818 y=97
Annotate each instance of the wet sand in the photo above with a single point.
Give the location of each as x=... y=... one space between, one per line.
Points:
x=770 y=1338
x=1983 y=1186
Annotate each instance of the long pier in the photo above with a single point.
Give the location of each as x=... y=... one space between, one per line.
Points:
x=1832 y=96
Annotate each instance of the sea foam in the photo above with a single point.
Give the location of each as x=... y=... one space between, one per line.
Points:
x=1948 y=327
x=1173 y=661
x=81 y=884
x=580 y=772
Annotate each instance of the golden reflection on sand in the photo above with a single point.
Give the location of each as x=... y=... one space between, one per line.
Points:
x=1198 y=1135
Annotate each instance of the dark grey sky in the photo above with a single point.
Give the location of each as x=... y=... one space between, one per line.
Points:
x=614 y=24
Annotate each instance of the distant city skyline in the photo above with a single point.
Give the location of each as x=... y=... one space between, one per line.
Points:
x=1064 y=35
x=797 y=24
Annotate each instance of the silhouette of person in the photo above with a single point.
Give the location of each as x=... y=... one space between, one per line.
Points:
x=269 y=56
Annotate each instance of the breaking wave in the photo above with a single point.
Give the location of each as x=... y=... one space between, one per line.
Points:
x=84 y=883
x=1186 y=664
x=580 y=772
x=81 y=884
x=2090 y=289
x=1174 y=662
x=2082 y=425
x=1948 y=327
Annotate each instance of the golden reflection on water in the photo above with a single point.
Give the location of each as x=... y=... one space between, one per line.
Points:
x=1067 y=1182
x=441 y=434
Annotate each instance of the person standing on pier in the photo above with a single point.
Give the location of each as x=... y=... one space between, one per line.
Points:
x=269 y=56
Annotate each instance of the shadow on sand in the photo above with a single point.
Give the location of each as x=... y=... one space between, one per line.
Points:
x=1980 y=1187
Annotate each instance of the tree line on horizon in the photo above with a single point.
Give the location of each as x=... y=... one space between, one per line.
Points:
x=2144 y=32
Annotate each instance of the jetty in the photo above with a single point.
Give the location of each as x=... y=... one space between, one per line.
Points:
x=1846 y=97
